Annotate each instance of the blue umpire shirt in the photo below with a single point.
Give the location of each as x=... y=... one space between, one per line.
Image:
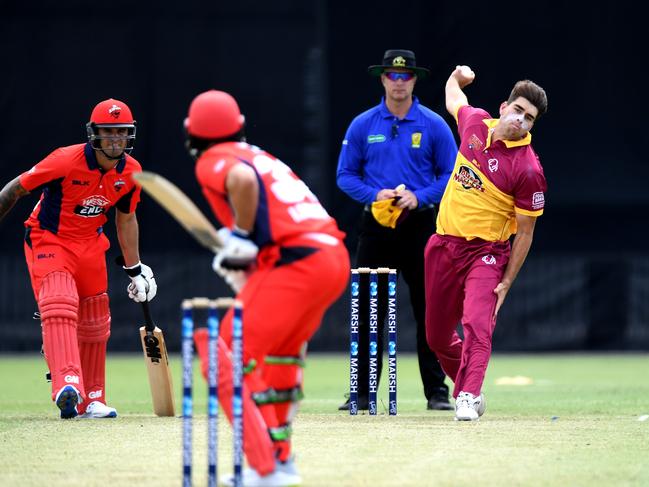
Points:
x=380 y=151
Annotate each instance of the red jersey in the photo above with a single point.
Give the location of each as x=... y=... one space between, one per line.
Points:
x=287 y=208
x=491 y=182
x=77 y=193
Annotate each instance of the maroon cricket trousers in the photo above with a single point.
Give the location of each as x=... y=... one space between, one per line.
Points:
x=460 y=278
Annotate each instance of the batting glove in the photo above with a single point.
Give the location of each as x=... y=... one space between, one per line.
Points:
x=143 y=286
x=238 y=252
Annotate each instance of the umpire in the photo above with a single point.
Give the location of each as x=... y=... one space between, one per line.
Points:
x=396 y=160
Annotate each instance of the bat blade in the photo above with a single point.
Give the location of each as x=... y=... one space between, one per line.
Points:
x=157 y=366
x=179 y=206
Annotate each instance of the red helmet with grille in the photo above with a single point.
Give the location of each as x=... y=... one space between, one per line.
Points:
x=111 y=113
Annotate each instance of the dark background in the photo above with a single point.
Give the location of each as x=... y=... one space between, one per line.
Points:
x=298 y=70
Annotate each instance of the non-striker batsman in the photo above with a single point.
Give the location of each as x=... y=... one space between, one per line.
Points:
x=65 y=248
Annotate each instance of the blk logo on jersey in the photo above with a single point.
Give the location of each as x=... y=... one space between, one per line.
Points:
x=468 y=179
x=78 y=182
x=91 y=207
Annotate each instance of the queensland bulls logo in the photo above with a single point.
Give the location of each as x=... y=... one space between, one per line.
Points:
x=468 y=179
x=93 y=206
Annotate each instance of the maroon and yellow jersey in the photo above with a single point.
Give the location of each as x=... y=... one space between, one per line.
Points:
x=77 y=193
x=287 y=208
x=491 y=182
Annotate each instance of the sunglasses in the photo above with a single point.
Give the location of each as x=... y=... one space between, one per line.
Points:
x=392 y=76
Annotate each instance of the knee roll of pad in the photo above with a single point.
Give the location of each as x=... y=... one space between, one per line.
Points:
x=58 y=296
x=94 y=319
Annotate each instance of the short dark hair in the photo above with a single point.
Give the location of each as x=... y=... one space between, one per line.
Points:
x=532 y=93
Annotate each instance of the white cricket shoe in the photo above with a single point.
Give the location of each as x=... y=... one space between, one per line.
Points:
x=287 y=467
x=469 y=407
x=98 y=409
x=274 y=479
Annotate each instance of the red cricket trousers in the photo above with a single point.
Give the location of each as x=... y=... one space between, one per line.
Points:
x=460 y=278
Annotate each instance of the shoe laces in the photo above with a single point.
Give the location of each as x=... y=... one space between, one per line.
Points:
x=465 y=399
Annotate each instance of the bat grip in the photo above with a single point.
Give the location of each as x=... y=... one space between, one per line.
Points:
x=148 y=320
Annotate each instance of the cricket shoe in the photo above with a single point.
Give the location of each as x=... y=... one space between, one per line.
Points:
x=469 y=407
x=287 y=467
x=438 y=401
x=98 y=409
x=66 y=400
x=251 y=478
x=362 y=404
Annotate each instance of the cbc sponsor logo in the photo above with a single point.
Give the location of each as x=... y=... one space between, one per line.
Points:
x=95 y=394
x=538 y=200
x=71 y=379
x=489 y=259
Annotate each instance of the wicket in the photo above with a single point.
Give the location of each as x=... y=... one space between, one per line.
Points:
x=212 y=306
x=373 y=339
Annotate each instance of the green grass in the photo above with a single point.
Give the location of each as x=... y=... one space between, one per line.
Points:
x=577 y=424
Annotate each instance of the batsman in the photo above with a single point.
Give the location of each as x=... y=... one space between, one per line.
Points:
x=65 y=248
x=284 y=257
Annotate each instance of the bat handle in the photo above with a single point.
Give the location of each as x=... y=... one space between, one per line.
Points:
x=148 y=320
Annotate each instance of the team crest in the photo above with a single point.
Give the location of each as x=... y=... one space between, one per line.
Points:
x=493 y=165
x=399 y=62
x=416 y=140
x=468 y=179
x=489 y=259
x=119 y=184
x=115 y=111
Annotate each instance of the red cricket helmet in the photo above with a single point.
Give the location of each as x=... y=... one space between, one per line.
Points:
x=111 y=113
x=214 y=115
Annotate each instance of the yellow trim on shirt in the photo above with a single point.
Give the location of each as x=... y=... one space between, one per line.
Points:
x=521 y=211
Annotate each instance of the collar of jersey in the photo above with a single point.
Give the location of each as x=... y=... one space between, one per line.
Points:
x=91 y=160
x=411 y=115
x=491 y=124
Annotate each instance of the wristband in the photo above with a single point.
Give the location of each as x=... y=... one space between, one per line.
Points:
x=134 y=270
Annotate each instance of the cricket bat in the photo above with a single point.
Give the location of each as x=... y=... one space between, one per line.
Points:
x=156 y=360
x=179 y=206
